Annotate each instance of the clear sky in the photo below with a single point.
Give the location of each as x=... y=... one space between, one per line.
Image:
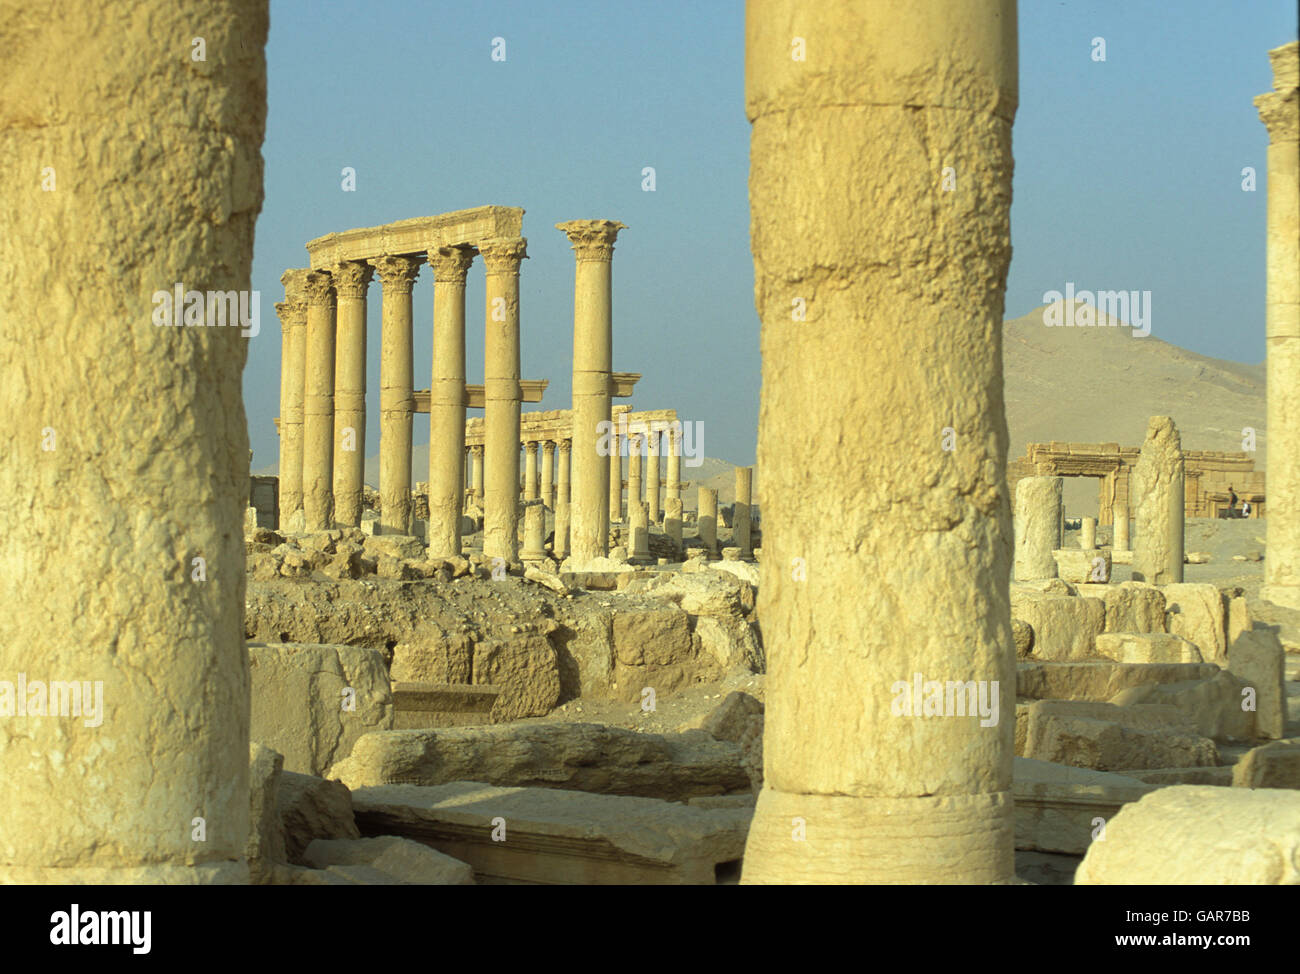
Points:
x=1128 y=174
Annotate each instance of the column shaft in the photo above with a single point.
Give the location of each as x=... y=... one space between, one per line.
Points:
x=396 y=393
x=652 y=478
x=351 y=279
x=318 y=406
x=501 y=397
x=673 y=487
x=706 y=519
x=548 y=474
x=561 y=547
x=447 y=395
x=293 y=368
x=740 y=513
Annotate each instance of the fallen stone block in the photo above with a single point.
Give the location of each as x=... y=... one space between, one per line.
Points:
x=1200 y=836
x=1195 y=611
x=1023 y=635
x=265 y=846
x=397 y=860
x=311 y=702
x=313 y=808
x=545 y=835
x=1106 y=738
x=1257 y=657
x=1058 y=806
x=1213 y=704
x=1100 y=680
x=582 y=757
x=420 y=705
x=526 y=669
x=1147 y=647
x=1065 y=627
x=1275 y=765
x=1077 y=565
x=1130 y=606
x=1219 y=777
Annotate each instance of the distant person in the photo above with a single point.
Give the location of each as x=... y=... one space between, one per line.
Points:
x=1232 y=502
x=1245 y=508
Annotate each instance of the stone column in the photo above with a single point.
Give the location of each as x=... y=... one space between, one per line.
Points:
x=396 y=393
x=1037 y=527
x=447 y=397
x=1280 y=112
x=548 y=474
x=1158 y=485
x=617 y=444
x=639 y=528
x=476 y=461
x=125 y=440
x=673 y=521
x=293 y=366
x=740 y=515
x=561 y=546
x=1088 y=533
x=903 y=291
x=634 y=466
x=351 y=280
x=318 y=406
x=593 y=345
x=501 y=257
x=530 y=470
x=652 y=477
x=707 y=520
x=534 y=514
x=673 y=486
x=1120 y=542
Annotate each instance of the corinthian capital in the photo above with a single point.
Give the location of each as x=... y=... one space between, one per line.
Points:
x=451 y=264
x=319 y=286
x=396 y=274
x=1280 y=113
x=351 y=278
x=503 y=254
x=592 y=239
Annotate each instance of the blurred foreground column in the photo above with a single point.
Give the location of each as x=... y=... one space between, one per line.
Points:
x=859 y=110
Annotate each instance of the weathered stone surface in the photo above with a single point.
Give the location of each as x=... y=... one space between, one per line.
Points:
x=441 y=657
x=1149 y=647
x=299 y=700
x=658 y=636
x=708 y=593
x=399 y=861
x=729 y=720
x=1023 y=634
x=582 y=757
x=313 y=808
x=744 y=570
x=265 y=832
x=1200 y=836
x=1213 y=704
x=526 y=669
x=1156 y=488
x=1065 y=627
x=1133 y=607
x=1107 y=738
x=732 y=644
x=1195 y=611
x=1257 y=658
x=1057 y=805
x=423 y=705
x=1082 y=566
x=1037 y=527
x=560 y=837
x=396 y=546
x=1275 y=765
x=1100 y=680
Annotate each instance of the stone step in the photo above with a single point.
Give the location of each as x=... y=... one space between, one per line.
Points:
x=421 y=705
x=1099 y=680
x=1056 y=804
x=548 y=836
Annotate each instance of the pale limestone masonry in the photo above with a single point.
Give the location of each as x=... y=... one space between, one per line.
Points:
x=593 y=349
x=707 y=519
x=351 y=282
x=318 y=405
x=895 y=300
x=1037 y=527
x=1159 y=489
x=450 y=267
x=293 y=363
x=1280 y=112
x=396 y=393
x=740 y=517
x=1121 y=541
x=159 y=182
x=1088 y=533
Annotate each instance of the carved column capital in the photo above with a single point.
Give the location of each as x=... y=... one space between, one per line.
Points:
x=565 y=446
x=1280 y=113
x=531 y=447
x=451 y=264
x=502 y=255
x=592 y=239
x=476 y=452
x=396 y=274
x=319 y=286
x=351 y=278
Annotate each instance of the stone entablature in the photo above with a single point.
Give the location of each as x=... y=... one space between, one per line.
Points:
x=417 y=236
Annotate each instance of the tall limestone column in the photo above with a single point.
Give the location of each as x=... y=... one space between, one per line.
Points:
x=740 y=513
x=1088 y=533
x=1120 y=542
x=1037 y=528
x=1158 y=484
x=318 y=405
x=447 y=396
x=903 y=292
x=351 y=279
x=396 y=393
x=548 y=474
x=707 y=520
x=593 y=356
x=476 y=465
x=293 y=365
x=501 y=257
x=124 y=448
x=634 y=466
x=1280 y=112
x=617 y=445
x=561 y=546
x=652 y=477
x=534 y=515
x=673 y=484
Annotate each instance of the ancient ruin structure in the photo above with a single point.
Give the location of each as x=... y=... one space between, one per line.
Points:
x=1209 y=474
x=1159 y=490
x=1037 y=527
x=127 y=534
x=854 y=792
x=1280 y=112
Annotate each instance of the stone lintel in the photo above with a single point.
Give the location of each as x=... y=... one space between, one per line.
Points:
x=417 y=236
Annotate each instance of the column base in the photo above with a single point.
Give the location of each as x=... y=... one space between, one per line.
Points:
x=949 y=839
x=1287 y=596
x=225 y=873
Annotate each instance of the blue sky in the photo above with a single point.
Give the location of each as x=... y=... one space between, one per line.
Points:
x=1128 y=174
